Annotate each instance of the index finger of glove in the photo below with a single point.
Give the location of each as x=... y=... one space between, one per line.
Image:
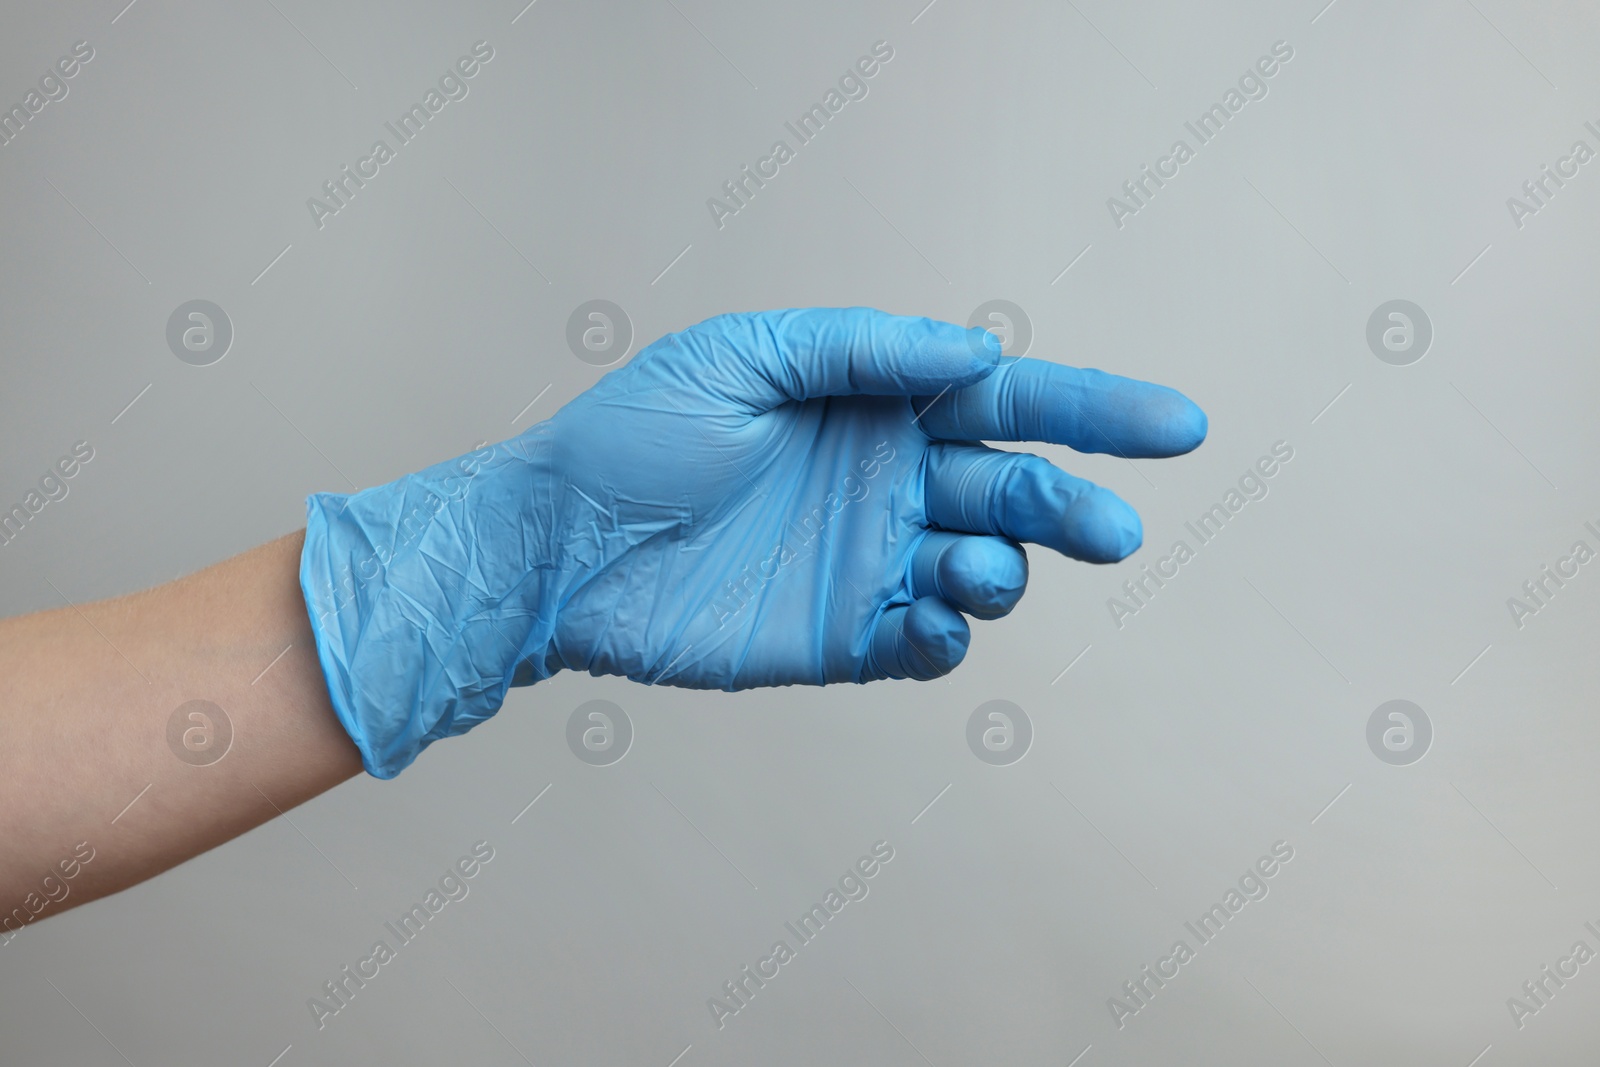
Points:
x=1088 y=410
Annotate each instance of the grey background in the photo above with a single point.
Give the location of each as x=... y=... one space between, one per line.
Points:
x=1224 y=717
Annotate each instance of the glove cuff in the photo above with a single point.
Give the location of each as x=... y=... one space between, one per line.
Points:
x=422 y=616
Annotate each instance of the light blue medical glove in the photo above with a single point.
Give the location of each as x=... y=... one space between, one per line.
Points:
x=790 y=497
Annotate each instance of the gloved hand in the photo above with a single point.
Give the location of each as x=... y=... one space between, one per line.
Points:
x=791 y=497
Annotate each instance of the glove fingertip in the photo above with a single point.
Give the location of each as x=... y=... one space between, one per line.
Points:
x=1184 y=426
x=986 y=347
x=1103 y=528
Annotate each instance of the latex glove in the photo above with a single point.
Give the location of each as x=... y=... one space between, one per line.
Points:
x=789 y=497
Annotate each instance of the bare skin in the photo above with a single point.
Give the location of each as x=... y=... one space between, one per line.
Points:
x=86 y=695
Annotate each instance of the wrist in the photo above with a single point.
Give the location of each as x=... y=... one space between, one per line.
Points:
x=428 y=598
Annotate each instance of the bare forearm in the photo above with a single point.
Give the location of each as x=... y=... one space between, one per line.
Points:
x=87 y=699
